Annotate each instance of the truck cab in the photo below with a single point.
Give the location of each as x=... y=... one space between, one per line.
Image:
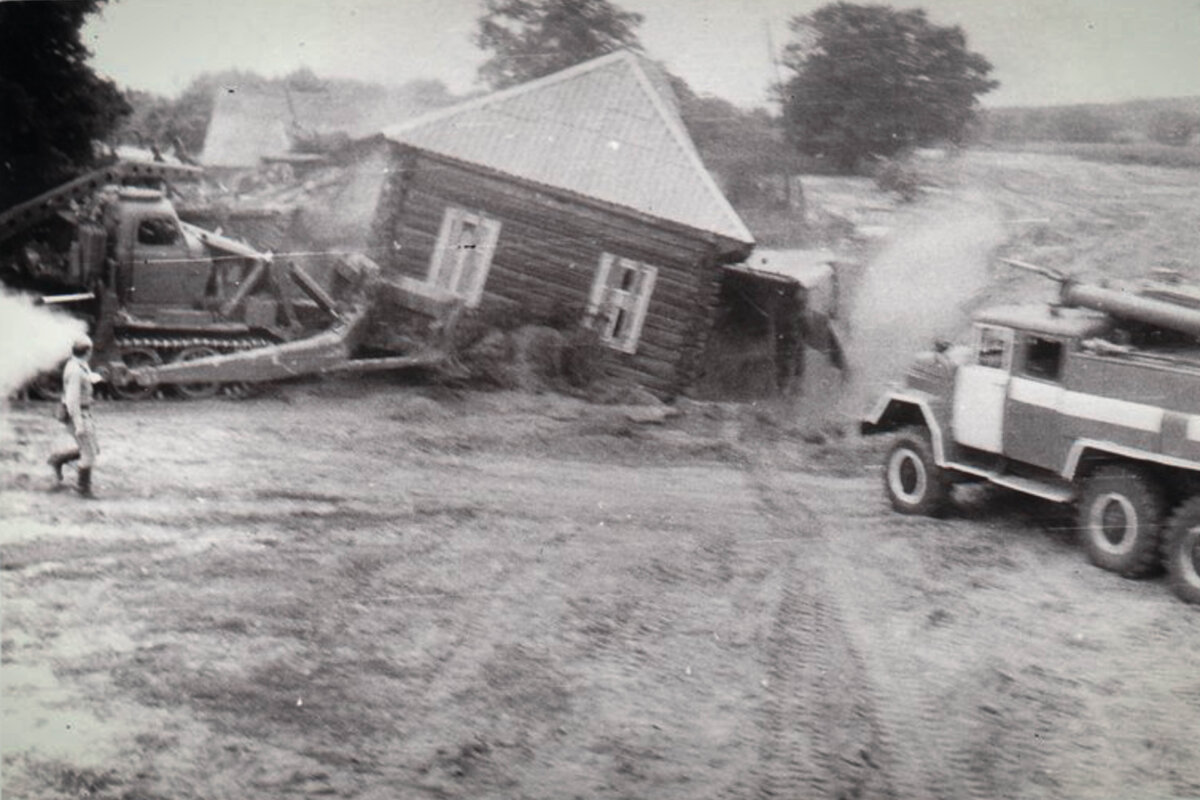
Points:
x=157 y=264
x=1008 y=399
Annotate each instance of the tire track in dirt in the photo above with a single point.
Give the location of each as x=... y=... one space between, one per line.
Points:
x=821 y=733
x=920 y=736
x=813 y=503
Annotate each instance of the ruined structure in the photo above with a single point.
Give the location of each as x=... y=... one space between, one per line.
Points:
x=578 y=198
x=578 y=195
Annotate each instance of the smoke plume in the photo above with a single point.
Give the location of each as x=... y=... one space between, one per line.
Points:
x=32 y=339
x=918 y=288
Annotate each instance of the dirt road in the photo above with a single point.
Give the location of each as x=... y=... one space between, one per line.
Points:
x=371 y=591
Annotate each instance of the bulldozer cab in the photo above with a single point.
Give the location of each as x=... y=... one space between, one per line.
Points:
x=156 y=264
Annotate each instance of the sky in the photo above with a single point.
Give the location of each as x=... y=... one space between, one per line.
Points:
x=1044 y=52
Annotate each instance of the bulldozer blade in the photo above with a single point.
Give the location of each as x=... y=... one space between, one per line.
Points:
x=318 y=353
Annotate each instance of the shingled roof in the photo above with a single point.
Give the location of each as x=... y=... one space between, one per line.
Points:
x=607 y=129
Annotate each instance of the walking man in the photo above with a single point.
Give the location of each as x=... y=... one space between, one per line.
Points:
x=76 y=413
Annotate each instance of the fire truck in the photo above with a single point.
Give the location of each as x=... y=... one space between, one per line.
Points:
x=1093 y=400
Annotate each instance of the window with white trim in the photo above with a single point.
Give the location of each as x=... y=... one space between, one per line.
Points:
x=619 y=299
x=464 y=253
x=993 y=347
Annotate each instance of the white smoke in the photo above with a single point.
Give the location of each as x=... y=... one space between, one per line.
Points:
x=916 y=289
x=33 y=339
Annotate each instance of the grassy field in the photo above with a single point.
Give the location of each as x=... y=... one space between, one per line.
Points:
x=1147 y=153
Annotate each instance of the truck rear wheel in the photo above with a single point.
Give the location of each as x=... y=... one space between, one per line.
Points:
x=914 y=483
x=1120 y=519
x=1181 y=552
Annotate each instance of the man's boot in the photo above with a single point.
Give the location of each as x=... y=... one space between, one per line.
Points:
x=56 y=464
x=85 y=482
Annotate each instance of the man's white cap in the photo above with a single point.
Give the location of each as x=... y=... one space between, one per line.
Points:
x=83 y=342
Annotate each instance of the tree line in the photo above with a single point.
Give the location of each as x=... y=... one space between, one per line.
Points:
x=862 y=83
x=1169 y=122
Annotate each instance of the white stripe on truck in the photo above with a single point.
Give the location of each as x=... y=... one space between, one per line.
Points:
x=1094 y=408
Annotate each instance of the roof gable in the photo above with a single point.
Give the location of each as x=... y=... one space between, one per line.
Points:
x=602 y=129
x=252 y=122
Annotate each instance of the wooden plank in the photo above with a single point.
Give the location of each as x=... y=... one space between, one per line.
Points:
x=670 y=330
x=513 y=251
x=536 y=272
x=662 y=385
x=510 y=198
x=568 y=241
x=549 y=196
x=574 y=286
x=548 y=253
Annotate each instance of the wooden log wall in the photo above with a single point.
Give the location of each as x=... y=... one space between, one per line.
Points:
x=548 y=252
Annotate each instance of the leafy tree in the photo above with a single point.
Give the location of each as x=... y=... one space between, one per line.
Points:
x=745 y=148
x=532 y=38
x=871 y=81
x=53 y=105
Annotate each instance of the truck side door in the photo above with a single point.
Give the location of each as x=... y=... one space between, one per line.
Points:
x=1033 y=431
x=981 y=388
x=161 y=270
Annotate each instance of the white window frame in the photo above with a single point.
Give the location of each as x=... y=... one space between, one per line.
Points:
x=448 y=262
x=618 y=312
x=992 y=334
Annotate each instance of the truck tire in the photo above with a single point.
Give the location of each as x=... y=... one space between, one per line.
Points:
x=1121 y=520
x=914 y=483
x=1181 y=551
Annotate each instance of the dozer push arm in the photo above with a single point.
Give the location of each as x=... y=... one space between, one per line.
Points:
x=224 y=244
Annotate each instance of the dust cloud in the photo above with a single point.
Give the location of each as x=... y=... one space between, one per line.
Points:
x=32 y=339
x=917 y=288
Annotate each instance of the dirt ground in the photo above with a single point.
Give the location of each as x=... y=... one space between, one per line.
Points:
x=371 y=590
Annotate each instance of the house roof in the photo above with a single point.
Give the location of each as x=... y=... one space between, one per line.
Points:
x=252 y=123
x=807 y=268
x=607 y=129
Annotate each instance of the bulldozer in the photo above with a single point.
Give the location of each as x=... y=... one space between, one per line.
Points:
x=1090 y=401
x=173 y=306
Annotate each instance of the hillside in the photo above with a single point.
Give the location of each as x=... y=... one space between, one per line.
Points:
x=1134 y=120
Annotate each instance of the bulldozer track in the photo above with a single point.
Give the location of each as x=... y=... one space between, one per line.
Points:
x=167 y=347
x=181 y=342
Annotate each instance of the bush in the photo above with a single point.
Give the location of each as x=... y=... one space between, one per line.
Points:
x=894 y=176
x=584 y=359
x=514 y=349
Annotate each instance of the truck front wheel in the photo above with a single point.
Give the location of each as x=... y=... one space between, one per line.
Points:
x=1181 y=553
x=915 y=484
x=1120 y=519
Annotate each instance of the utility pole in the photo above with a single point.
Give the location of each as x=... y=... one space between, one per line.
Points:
x=774 y=56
